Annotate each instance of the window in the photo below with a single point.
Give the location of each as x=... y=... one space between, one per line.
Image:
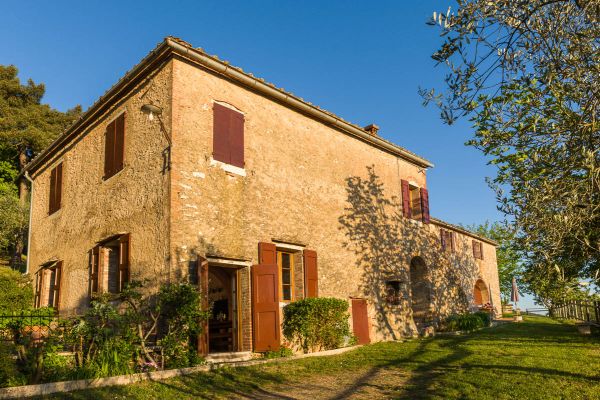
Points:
x=109 y=265
x=47 y=286
x=447 y=240
x=114 y=146
x=392 y=292
x=55 y=189
x=228 y=135
x=285 y=261
x=477 y=250
x=415 y=202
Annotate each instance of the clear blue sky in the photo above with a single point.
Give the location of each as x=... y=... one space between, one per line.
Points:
x=361 y=60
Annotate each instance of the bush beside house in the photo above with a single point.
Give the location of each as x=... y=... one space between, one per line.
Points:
x=315 y=324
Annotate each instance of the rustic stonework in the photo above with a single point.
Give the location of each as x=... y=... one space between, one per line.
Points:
x=293 y=186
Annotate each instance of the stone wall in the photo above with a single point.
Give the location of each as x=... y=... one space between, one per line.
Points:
x=133 y=201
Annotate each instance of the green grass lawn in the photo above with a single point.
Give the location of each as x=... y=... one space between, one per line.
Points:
x=537 y=359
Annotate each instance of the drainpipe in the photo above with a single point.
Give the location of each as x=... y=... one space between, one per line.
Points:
x=26 y=175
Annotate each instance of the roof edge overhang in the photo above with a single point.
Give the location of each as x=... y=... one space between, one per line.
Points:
x=171 y=46
x=448 y=225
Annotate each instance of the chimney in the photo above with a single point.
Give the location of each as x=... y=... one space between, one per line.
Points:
x=371 y=129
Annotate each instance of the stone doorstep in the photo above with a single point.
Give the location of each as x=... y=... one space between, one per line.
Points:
x=228 y=357
x=19 y=392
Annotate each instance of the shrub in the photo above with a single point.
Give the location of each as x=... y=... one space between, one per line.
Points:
x=9 y=373
x=316 y=323
x=462 y=322
x=282 y=352
x=485 y=317
x=17 y=292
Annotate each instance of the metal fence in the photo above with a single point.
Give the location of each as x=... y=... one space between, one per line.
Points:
x=34 y=325
x=588 y=311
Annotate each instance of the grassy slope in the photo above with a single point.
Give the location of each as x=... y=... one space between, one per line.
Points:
x=537 y=359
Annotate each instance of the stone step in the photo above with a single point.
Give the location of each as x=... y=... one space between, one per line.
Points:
x=229 y=357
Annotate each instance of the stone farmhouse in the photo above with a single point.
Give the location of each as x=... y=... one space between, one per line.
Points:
x=189 y=169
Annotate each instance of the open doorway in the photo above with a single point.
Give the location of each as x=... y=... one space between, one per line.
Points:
x=223 y=299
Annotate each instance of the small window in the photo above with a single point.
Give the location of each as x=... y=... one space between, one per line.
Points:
x=55 y=195
x=477 y=250
x=415 y=203
x=392 y=292
x=109 y=266
x=228 y=135
x=447 y=240
x=285 y=261
x=47 y=288
x=114 y=146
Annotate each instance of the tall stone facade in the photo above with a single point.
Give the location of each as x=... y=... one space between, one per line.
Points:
x=305 y=184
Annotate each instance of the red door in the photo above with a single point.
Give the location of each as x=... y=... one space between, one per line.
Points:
x=265 y=307
x=360 y=321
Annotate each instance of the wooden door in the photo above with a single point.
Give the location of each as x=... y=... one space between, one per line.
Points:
x=360 y=321
x=265 y=307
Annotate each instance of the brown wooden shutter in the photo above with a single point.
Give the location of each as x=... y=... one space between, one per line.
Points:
x=236 y=138
x=405 y=199
x=452 y=241
x=58 y=284
x=425 y=205
x=43 y=294
x=480 y=250
x=124 y=247
x=58 y=190
x=95 y=276
x=265 y=307
x=109 y=150
x=221 y=128
x=52 y=195
x=311 y=274
x=267 y=253
x=202 y=272
x=119 y=154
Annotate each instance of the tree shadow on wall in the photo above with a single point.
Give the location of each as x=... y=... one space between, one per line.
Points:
x=385 y=243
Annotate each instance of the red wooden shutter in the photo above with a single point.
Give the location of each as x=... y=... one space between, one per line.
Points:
x=405 y=198
x=221 y=128
x=236 y=138
x=443 y=238
x=58 y=191
x=58 y=284
x=109 y=150
x=265 y=307
x=123 y=262
x=119 y=154
x=267 y=253
x=202 y=272
x=52 y=195
x=95 y=278
x=425 y=205
x=311 y=274
x=38 y=290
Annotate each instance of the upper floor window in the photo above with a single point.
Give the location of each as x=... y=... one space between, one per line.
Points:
x=415 y=202
x=477 y=250
x=114 y=146
x=447 y=240
x=47 y=285
x=109 y=265
x=228 y=135
x=55 y=195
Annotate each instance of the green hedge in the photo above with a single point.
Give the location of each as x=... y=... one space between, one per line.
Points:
x=466 y=322
x=317 y=323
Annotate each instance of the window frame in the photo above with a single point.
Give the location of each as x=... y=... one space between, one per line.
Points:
x=414 y=194
x=280 y=268
x=55 y=188
x=99 y=266
x=43 y=276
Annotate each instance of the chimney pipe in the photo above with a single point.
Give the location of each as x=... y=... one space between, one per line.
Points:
x=371 y=129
